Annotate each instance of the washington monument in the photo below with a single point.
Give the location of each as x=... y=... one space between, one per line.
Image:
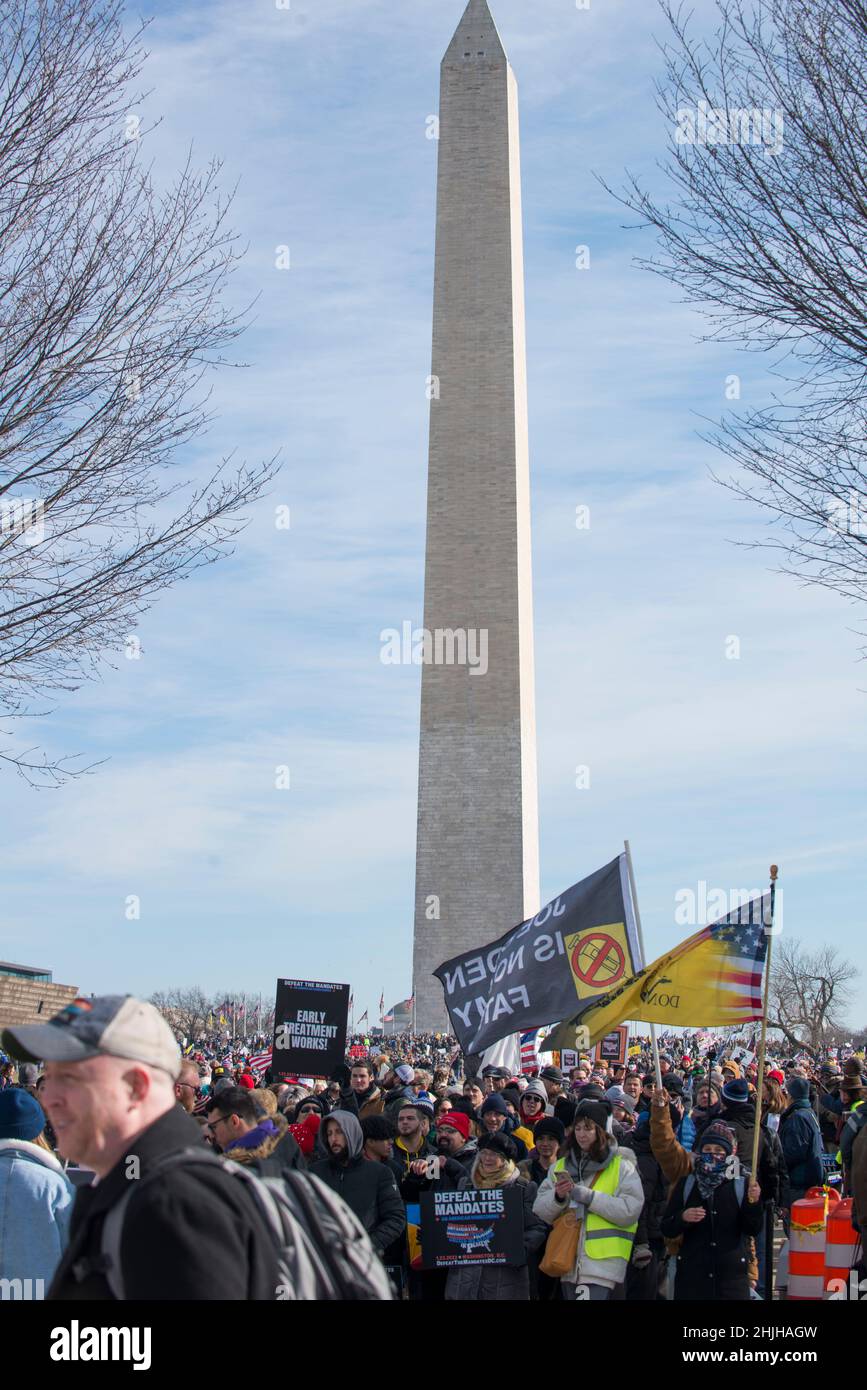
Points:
x=477 y=857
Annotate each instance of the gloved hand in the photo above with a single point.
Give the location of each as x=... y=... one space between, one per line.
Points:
x=641 y=1256
x=341 y=1074
x=582 y=1194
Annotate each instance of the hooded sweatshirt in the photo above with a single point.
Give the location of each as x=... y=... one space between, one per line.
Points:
x=535 y=1088
x=368 y=1189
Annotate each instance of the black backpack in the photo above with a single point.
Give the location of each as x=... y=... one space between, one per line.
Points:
x=323 y=1251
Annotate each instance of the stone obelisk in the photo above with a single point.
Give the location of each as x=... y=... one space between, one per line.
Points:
x=477 y=859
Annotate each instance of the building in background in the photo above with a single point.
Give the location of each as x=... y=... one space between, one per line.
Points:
x=28 y=994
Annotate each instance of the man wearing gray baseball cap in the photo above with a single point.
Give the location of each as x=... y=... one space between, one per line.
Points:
x=194 y=1232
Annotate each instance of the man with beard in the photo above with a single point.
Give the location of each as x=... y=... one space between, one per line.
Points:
x=453 y=1139
x=369 y=1189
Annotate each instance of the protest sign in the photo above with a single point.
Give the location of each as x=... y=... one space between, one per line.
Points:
x=310 y=1020
x=612 y=1048
x=472 y=1228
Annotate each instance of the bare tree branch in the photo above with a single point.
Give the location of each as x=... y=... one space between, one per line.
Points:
x=767 y=232
x=112 y=314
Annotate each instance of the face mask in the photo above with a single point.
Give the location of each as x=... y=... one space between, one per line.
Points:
x=710 y=1165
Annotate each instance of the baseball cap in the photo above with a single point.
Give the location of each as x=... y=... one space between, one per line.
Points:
x=113 y=1025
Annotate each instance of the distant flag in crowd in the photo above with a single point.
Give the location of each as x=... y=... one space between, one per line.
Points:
x=381 y=1003
x=714 y=977
x=529 y=1056
x=363 y=1018
x=388 y=1018
x=260 y=1063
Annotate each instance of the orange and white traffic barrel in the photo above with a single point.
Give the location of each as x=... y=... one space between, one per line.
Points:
x=841 y=1242
x=807 y=1232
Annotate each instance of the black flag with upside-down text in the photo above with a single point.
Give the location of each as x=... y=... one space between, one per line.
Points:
x=579 y=946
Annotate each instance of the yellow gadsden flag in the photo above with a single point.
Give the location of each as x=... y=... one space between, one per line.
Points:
x=713 y=978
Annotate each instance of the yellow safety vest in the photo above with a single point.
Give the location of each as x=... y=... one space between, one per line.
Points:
x=602 y=1239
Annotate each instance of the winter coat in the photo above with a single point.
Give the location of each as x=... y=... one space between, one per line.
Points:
x=622 y=1208
x=714 y=1257
x=784 y=1191
x=369 y=1189
x=487 y=1283
x=363 y=1103
x=676 y=1163
x=274 y=1155
x=193 y=1235
x=858 y=1181
x=801 y=1142
x=35 y=1206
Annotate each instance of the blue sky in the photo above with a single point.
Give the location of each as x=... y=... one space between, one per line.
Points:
x=712 y=767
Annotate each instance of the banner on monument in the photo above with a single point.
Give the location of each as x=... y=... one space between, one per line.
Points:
x=472 y=1227
x=310 y=1024
x=578 y=947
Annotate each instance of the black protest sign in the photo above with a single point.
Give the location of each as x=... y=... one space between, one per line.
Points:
x=310 y=1021
x=574 y=950
x=472 y=1228
x=612 y=1048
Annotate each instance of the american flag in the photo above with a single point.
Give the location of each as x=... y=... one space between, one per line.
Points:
x=743 y=937
x=529 y=1057
x=260 y=1063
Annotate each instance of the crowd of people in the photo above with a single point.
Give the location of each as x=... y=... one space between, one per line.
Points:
x=629 y=1188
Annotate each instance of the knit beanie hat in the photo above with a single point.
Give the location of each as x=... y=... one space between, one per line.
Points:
x=550 y=1125
x=21 y=1115
x=377 y=1127
x=798 y=1087
x=247 y=1081
x=718 y=1133
x=494 y=1102
x=736 y=1092
x=588 y=1090
x=615 y=1095
x=599 y=1111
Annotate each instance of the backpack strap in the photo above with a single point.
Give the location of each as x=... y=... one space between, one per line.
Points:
x=108 y=1263
x=740 y=1188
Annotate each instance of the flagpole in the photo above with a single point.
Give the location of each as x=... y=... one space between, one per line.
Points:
x=637 y=916
x=760 y=1077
